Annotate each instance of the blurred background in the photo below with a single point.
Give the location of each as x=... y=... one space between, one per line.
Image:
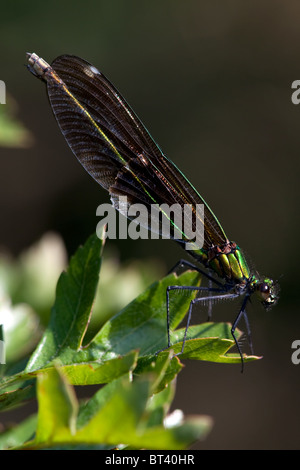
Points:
x=212 y=83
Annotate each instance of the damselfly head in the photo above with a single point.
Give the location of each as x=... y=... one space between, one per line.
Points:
x=267 y=291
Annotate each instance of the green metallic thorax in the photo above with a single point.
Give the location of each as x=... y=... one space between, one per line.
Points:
x=227 y=261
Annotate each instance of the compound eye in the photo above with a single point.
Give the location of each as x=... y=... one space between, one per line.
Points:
x=264 y=288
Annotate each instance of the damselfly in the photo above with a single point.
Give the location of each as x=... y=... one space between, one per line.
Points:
x=116 y=149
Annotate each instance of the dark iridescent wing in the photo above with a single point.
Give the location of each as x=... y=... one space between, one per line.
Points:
x=114 y=146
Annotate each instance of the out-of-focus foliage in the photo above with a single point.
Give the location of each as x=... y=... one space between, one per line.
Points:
x=128 y=354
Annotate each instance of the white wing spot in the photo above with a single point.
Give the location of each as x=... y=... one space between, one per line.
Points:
x=95 y=70
x=91 y=71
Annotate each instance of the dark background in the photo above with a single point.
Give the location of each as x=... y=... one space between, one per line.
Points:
x=212 y=83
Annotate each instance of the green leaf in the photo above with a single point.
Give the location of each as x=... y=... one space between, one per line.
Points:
x=129 y=354
x=78 y=374
x=17 y=435
x=159 y=404
x=57 y=408
x=98 y=373
x=121 y=412
x=143 y=324
x=208 y=342
x=72 y=308
x=11 y=398
x=113 y=352
x=165 y=366
x=125 y=418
